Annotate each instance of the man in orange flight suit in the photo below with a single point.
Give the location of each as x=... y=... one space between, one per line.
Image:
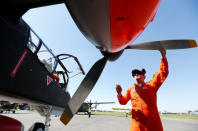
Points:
x=143 y=96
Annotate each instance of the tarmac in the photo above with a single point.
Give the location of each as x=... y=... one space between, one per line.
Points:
x=99 y=122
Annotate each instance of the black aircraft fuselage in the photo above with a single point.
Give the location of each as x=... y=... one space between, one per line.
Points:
x=24 y=77
x=27 y=76
x=84 y=107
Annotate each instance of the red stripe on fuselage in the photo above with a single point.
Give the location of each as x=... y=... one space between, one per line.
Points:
x=128 y=18
x=13 y=73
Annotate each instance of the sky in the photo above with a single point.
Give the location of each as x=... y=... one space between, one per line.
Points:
x=175 y=19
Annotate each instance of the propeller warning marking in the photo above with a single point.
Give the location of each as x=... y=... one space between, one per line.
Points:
x=49 y=80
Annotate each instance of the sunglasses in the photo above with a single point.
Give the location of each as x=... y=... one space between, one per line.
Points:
x=138 y=73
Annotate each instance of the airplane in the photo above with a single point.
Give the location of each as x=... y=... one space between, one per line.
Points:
x=125 y=109
x=87 y=106
x=6 y=106
x=111 y=25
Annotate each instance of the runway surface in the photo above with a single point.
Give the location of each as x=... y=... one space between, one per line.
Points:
x=100 y=122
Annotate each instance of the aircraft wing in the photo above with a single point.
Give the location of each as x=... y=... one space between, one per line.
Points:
x=121 y=109
x=102 y=102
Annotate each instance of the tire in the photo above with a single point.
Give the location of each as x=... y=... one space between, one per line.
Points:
x=37 y=127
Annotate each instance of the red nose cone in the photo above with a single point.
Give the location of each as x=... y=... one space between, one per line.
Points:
x=111 y=24
x=128 y=18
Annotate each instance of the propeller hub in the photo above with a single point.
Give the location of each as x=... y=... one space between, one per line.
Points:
x=112 y=56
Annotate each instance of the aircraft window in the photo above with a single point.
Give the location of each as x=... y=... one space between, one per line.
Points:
x=34 y=42
x=68 y=67
x=71 y=65
x=47 y=59
x=44 y=54
x=31 y=46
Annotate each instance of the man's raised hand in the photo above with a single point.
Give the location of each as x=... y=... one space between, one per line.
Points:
x=163 y=53
x=119 y=89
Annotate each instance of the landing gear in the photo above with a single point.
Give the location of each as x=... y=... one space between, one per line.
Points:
x=37 y=127
x=47 y=120
x=46 y=112
x=40 y=126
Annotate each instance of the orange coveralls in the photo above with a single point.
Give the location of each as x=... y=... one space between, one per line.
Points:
x=145 y=116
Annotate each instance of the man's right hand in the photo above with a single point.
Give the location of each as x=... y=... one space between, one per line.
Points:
x=163 y=53
x=119 y=89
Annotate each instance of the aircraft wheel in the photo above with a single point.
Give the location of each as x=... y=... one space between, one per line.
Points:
x=1 y=111
x=37 y=127
x=13 y=112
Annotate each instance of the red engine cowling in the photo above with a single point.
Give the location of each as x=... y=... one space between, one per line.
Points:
x=112 y=24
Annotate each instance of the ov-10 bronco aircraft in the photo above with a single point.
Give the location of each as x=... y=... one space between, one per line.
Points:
x=127 y=110
x=88 y=106
x=111 y=25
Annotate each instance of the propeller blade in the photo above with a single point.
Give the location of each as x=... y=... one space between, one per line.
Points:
x=166 y=44
x=83 y=90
